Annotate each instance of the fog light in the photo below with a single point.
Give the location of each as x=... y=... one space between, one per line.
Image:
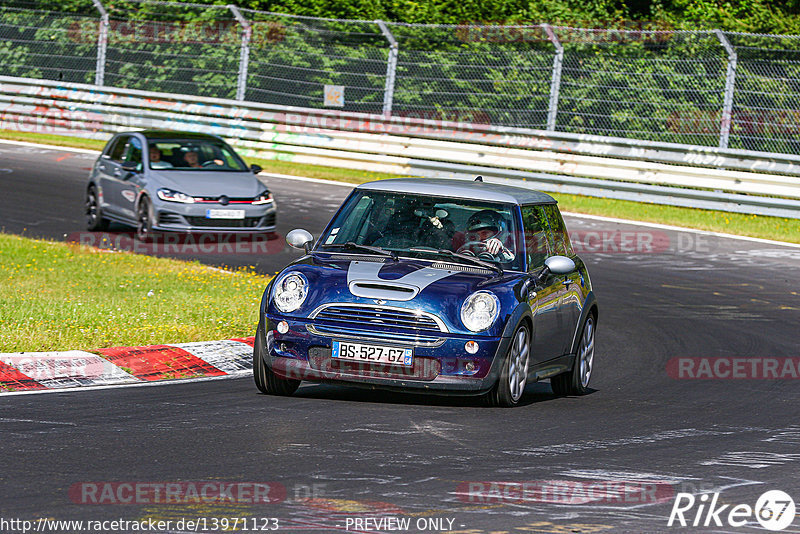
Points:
x=283 y=327
x=471 y=347
x=469 y=366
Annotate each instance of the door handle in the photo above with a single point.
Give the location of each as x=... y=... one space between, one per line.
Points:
x=117 y=172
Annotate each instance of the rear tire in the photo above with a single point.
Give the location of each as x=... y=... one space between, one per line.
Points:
x=576 y=382
x=94 y=214
x=266 y=381
x=510 y=386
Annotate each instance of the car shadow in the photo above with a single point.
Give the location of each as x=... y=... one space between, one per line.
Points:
x=534 y=393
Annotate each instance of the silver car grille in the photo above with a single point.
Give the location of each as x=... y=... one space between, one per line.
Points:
x=366 y=316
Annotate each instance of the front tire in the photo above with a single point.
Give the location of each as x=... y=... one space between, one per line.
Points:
x=576 y=382
x=144 y=222
x=94 y=214
x=267 y=381
x=511 y=385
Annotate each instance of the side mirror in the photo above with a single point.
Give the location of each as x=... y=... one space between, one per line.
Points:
x=559 y=264
x=554 y=265
x=256 y=168
x=299 y=238
x=129 y=166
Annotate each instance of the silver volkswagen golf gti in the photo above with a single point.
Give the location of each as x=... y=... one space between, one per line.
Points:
x=164 y=181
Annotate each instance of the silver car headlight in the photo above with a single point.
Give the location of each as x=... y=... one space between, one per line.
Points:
x=480 y=310
x=290 y=292
x=174 y=196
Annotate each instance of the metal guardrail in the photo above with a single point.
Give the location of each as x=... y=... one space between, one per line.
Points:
x=699 y=177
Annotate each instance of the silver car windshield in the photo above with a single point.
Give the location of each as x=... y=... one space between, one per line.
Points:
x=193 y=154
x=423 y=226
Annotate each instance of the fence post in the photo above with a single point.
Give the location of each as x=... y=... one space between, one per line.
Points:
x=391 y=69
x=244 y=57
x=730 y=82
x=555 y=82
x=102 y=44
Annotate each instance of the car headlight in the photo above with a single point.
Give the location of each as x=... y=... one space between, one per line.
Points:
x=174 y=196
x=263 y=198
x=290 y=292
x=480 y=310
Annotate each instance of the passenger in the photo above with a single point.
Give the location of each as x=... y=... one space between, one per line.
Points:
x=155 y=159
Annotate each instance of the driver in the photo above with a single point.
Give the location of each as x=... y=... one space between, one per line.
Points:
x=192 y=159
x=487 y=233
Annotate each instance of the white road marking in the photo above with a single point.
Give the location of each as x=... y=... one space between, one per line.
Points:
x=238 y=374
x=752 y=459
x=12 y=420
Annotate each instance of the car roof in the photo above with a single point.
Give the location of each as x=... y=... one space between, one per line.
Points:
x=449 y=187
x=170 y=134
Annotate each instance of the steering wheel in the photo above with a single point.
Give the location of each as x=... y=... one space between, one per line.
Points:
x=211 y=162
x=466 y=247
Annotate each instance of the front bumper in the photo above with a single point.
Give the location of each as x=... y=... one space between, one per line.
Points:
x=191 y=218
x=440 y=361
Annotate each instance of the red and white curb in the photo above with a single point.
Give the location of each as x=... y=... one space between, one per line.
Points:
x=42 y=371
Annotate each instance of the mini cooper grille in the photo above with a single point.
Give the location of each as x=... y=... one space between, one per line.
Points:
x=381 y=316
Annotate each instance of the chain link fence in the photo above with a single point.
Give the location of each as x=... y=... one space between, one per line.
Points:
x=706 y=88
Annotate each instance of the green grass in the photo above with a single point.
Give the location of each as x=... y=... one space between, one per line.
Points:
x=56 y=296
x=716 y=221
x=50 y=139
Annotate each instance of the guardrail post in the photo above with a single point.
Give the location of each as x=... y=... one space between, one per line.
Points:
x=244 y=57
x=730 y=82
x=391 y=69
x=555 y=82
x=102 y=44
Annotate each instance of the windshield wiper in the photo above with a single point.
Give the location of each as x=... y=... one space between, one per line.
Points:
x=450 y=253
x=350 y=245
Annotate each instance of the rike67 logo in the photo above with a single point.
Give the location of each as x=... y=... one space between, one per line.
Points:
x=774 y=510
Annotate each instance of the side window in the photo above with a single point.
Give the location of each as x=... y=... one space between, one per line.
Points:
x=535 y=226
x=134 y=153
x=118 y=149
x=562 y=246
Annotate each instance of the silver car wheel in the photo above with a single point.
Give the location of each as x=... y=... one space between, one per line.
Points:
x=143 y=221
x=586 y=351
x=518 y=365
x=91 y=208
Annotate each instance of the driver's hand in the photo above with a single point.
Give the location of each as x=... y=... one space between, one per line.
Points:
x=494 y=245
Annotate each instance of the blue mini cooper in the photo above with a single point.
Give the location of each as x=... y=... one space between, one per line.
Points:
x=439 y=286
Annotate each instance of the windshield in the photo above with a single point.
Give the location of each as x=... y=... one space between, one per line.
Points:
x=419 y=226
x=193 y=154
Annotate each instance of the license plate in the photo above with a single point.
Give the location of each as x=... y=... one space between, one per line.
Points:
x=224 y=214
x=358 y=352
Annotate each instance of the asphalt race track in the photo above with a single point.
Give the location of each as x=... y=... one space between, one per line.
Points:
x=668 y=300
